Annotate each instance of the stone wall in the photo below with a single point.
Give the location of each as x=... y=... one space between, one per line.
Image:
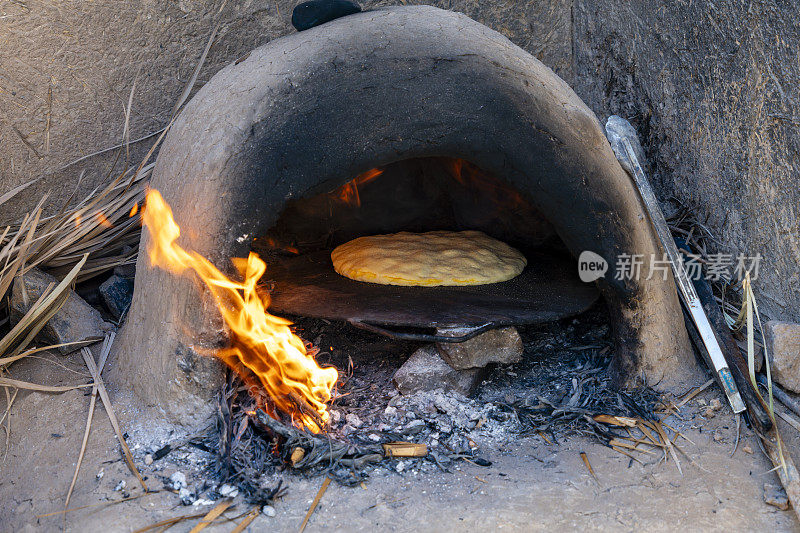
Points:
x=713 y=89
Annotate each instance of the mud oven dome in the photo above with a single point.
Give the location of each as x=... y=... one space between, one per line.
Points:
x=406 y=118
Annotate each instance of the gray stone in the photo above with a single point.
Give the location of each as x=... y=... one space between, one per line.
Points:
x=425 y=370
x=783 y=346
x=75 y=321
x=502 y=345
x=117 y=293
x=776 y=497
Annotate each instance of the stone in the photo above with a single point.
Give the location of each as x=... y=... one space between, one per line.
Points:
x=117 y=293
x=268 y=510
x=783 y=346
x=502 y=345
x=776 y=497
x=228 y=491
x=75 y=321
x=426 y=370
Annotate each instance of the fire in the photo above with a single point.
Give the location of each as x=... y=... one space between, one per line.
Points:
x=263 y=343
x=348 y=193
x=102 y=220
x=472 y=177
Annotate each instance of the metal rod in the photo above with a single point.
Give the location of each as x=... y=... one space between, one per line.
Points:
x=423 y=337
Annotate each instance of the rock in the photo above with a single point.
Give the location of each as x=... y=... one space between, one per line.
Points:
x=125 y=271
x=228 y=491
x=148 y=459
x=268 y=510
x=776 y=497
x=75 y=321
x=425 y=370
x=502 y=345
x=121 y=485
x=783 y=344
x=310 y=14
x=117 y=293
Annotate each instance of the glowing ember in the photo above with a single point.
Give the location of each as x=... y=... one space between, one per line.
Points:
x=260 y=341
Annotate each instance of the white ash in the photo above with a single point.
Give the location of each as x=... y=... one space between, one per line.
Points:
x=228 y=491
x=178 y=480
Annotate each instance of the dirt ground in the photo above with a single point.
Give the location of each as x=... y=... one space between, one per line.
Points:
x=531 y=485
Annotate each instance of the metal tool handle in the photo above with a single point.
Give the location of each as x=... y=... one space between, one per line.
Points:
x=620 y=129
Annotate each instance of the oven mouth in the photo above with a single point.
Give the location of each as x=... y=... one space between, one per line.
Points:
x=418 y=195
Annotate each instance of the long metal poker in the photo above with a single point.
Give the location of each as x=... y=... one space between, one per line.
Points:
x=619 y=131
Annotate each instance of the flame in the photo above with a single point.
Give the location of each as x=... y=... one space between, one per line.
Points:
x=134 y=210
x=272 y=243
x=348 y=193
x=474 y=178
x=263 y=343
x=102 y=220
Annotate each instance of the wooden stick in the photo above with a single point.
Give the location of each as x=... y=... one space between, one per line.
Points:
x=212 y=515
x=248 y=519
x=314 y=504
x=588 y=466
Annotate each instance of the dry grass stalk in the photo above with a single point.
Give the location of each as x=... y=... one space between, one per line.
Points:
x=246 y=521
x=87 y=354
x=314 y=504
x=101 y=390
x=212 y=515
x=168 y=522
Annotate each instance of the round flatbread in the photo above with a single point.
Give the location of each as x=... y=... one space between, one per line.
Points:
x=428 y=259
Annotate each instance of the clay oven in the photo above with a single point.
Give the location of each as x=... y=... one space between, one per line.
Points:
x=463 y=129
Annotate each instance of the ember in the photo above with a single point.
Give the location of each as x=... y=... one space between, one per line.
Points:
x=261 y=342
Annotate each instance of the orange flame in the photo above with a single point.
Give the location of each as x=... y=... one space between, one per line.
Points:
x=103 y=221
x=258 y=340
x=134 y=210
x=348 y=193
x=473 y=177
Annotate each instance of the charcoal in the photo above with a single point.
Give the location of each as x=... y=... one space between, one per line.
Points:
x=117 y=293
x=309 y=14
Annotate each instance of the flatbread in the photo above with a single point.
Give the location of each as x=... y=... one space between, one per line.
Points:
x=428 y=259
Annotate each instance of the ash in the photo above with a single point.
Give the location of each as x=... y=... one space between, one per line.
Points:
x=560 y=384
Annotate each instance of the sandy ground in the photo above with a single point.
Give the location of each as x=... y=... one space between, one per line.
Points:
x=532 y=485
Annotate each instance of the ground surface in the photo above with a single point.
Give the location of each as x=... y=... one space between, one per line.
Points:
x=531 y=484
